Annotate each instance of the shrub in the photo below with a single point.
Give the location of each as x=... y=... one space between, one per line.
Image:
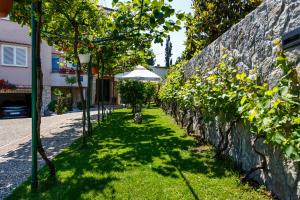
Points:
x=132 y=92
x=272 y=113
x=61 y=105
x=51 y=105
x=150 y=92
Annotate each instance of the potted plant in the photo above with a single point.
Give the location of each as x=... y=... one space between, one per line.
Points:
x=5 y=7
x=84 y=55
x=5 y=85
x=94 y=70
x=84 y=58
x=62 y=70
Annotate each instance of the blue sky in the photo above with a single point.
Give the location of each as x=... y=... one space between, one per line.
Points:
x=177 y=38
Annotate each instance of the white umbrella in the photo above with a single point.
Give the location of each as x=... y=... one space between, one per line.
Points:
x=120 y=76
x=139 y=73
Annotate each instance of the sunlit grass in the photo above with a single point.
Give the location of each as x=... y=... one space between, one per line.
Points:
x=149 y=161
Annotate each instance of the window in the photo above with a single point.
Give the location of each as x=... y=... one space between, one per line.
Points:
x=55 y=63
x=14 y=56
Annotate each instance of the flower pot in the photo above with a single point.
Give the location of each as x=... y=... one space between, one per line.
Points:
x=66 y=49
x=5 y=7
x=84 y=58
x=94 y=70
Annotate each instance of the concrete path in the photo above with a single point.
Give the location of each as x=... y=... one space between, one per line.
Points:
x=57 y=133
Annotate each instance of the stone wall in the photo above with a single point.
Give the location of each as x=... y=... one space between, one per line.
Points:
x=282 y=176
x=251 y=41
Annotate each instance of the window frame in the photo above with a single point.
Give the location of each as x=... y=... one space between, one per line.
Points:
x=15 y=47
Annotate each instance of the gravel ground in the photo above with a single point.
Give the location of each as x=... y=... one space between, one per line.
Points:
x=57 y=133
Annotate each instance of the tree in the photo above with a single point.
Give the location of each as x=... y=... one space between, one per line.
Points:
x=150 y=59
x=21 y=13
x=168 y=52
x=74 y=25
x=211 y=19
x=132 y=92
x=150 y=92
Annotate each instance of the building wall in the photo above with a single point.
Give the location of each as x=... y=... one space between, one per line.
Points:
x=251 y=42
x=14 y=34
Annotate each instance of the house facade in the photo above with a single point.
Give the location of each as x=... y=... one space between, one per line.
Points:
x=15 y=63
x=63 y=77
x=15 y=68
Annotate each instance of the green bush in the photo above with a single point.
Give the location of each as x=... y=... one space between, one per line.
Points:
x=132 y=92
x=150 y=92
x=51 y=105
x=272 y=112
x=61 y=105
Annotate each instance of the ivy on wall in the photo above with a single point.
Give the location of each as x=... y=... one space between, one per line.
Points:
x=227 y=96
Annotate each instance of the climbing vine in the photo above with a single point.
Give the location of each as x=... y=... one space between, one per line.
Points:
x=226 y=95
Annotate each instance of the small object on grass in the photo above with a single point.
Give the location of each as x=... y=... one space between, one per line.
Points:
x=138 y=118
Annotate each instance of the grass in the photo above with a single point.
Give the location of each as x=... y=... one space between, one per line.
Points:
x=149 y=161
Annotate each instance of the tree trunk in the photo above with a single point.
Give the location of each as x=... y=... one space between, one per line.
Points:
x=40 y=92
x=102 y=86
x=78 y=69
x=88 y=98
x=182 y=117
x=262 y=166
x=223 y=144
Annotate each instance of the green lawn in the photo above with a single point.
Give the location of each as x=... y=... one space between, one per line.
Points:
x=149 y=161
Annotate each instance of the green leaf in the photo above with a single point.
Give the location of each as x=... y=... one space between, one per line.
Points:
x=180 y=16
x=290 y=150
x=114 y=2
x=278 y=138
x=244 y=98
x=252 y=114
x=241 y=76
x=296 y=120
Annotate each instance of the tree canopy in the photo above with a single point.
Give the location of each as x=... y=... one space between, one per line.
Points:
x=211 y=19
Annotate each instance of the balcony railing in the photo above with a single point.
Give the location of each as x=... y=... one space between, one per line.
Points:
x=65 y=70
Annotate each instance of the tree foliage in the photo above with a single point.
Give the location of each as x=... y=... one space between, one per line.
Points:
x=211 y=19
x=75 y=26
x=150 y=92
x=168 y=52
x=132 y=92
x=150 y=59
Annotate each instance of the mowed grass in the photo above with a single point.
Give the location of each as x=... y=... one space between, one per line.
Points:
x=149 y=161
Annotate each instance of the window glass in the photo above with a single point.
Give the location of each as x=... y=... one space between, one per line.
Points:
x=21 y=56
x=14 y=56
x=55 y=63
x=8 y=55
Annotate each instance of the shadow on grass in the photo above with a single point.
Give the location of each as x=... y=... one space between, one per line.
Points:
x=118 y=145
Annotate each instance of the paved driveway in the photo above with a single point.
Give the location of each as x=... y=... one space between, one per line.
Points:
x=15 y=145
